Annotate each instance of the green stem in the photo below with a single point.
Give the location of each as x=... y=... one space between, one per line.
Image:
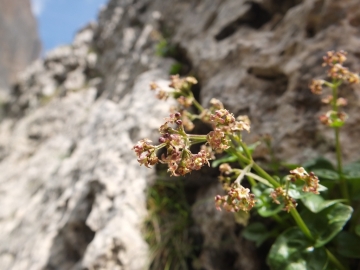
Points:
x=256 y=167
x=334 y=260
x=335 y=107
x=277 y=218
x=265 y=175
x=195 y=136
x=295 y=214
x=343 y=183
x=241 y=163
x=240 y=157
x=197 y=105
x=259 y=179
x=244 y=147
x=195 y=139
x=243 y=173
x=338 y=150
x=300 y=222
x=251 y=180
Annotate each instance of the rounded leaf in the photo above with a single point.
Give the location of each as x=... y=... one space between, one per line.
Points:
x=264 y=203
x=257 y=232
x=315 y=203
x=293 y=251
x=347 y=245
x=326 y=224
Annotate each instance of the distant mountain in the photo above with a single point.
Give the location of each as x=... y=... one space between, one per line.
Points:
x=19 y=40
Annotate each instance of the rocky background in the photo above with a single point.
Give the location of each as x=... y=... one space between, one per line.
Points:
x=19 y=41
x=72 y=193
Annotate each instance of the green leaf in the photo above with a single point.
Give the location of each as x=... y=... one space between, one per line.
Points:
x=242 y=217
x=354 y=166
x=322 y=188
x=270 y=209
x=357 y=230
x=257 y=232
x=296 y=190
x=351 y=173
x=326 y=224
x=325 y=174
x=264 y=204
x=293 y=251
x=347 y=245
x=224 y=159
x=319 y=163
x=290 y=166
x=315 y=203
x=253 y=146
x=297 y=193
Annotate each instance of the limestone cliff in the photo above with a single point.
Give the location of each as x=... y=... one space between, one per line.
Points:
x=72 y=191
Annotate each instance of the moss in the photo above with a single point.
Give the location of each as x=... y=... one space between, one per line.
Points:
x=175 y=69
x=167 y=227
x=165 y=49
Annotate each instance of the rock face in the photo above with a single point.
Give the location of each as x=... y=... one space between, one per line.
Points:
x=19 y=42
x=72 y=191
x=76 y=193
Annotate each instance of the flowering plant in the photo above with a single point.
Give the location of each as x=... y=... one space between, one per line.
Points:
x=318 y=235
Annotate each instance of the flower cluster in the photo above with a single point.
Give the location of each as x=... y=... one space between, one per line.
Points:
x=316 y=86
x=238 y=198
x=180 y=89
x=332 y=58
x=333 y=118
x=217 y=140
x=339 y=74
x=337 y=71
x=177 y=142
x=178 y=157
x=224 y=124
x=226 y=175
x=146 y=153
x=181 y=163
x=279 y=193
x=310 y=179
x=224 y=120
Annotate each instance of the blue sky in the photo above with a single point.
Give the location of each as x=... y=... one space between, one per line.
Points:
x=59 y=20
